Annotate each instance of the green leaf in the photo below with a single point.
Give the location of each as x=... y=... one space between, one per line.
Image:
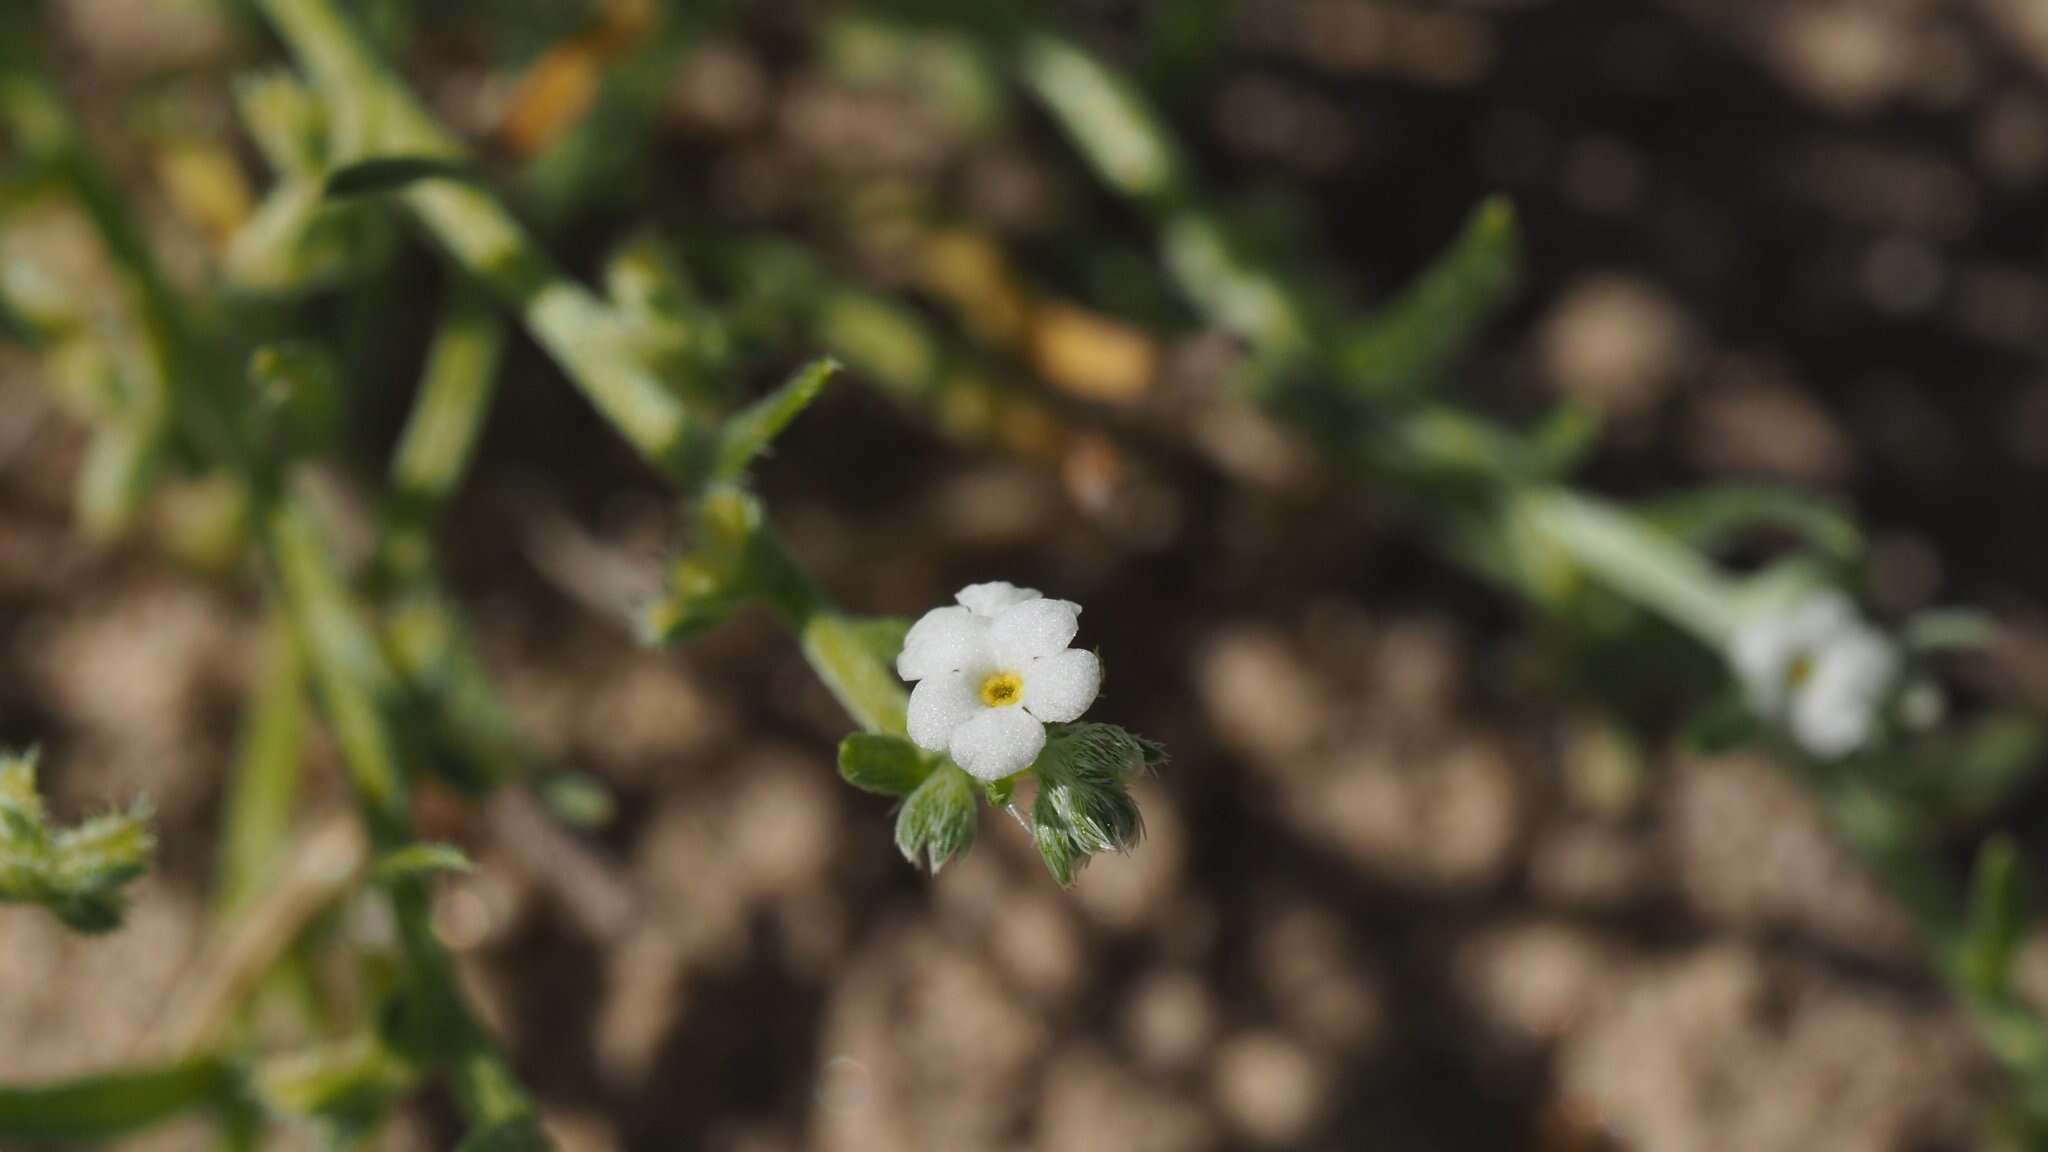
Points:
x=1710 y=518
x=886 y=765
x=880 y=636
x=578 y=799
x=420 y=860
x=749 y=432
x=106 y=1106
x=1998 y=915
x=1408 y=345
x=1107 y=118
x=1949 y=630
x=284 y=119
x=348 y=1087
x=881 y=339
x=388 y=174
x=937 y=822
x=76 y=873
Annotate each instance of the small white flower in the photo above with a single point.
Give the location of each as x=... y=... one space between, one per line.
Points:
x=1819 y=669
x=992 y=673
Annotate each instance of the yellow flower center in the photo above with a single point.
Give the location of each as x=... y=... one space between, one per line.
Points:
x=1001 y=689
x=1799 y=671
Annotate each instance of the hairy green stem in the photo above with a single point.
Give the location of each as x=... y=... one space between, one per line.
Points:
x=361 y=695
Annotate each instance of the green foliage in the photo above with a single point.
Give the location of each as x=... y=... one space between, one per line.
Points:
x=749 y=432
x=78 y=873
x=1407 y=346
x=421 y=859
x=882 y=764
x=721 y=570
x=1997 y=915
x=1711 y=518
x=101 y=1108
x=937 y=822
x=346 y=1089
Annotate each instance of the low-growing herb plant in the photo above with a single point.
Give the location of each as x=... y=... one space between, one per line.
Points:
x=174 y=386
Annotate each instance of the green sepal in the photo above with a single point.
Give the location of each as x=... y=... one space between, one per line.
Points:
x=1084 y=805
x=937 y=823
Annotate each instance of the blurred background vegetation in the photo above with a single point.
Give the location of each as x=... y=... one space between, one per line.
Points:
x=1428 y=869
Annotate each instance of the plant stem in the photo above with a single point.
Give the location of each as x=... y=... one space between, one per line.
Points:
x=588 y=339
x=379 y=117
x=360 y=694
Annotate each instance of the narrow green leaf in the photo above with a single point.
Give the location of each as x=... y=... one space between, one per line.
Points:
x=109 y=1105
x=580 y=800
x=265 y=781
x=388 y=174
x=1107 y=118
x=886 y=765
x=752 y=429
x=881 y=636
x=423 y=859
x=1998 y=915
x=1949 y=630
x=1409 y=344
x=937 y=822
x=1710 y=518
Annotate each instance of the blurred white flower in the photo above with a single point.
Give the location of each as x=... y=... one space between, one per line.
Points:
x=1818 y=668
x=992 y=673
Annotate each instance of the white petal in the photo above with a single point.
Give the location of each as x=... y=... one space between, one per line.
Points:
x=1765 y=647
x=1837 y=709
x=1033 y=628
x=1060 y=687
x=991 y=598
x=1831 y=728
x=943 y=640
x=1000 y=742
x=939 y=705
